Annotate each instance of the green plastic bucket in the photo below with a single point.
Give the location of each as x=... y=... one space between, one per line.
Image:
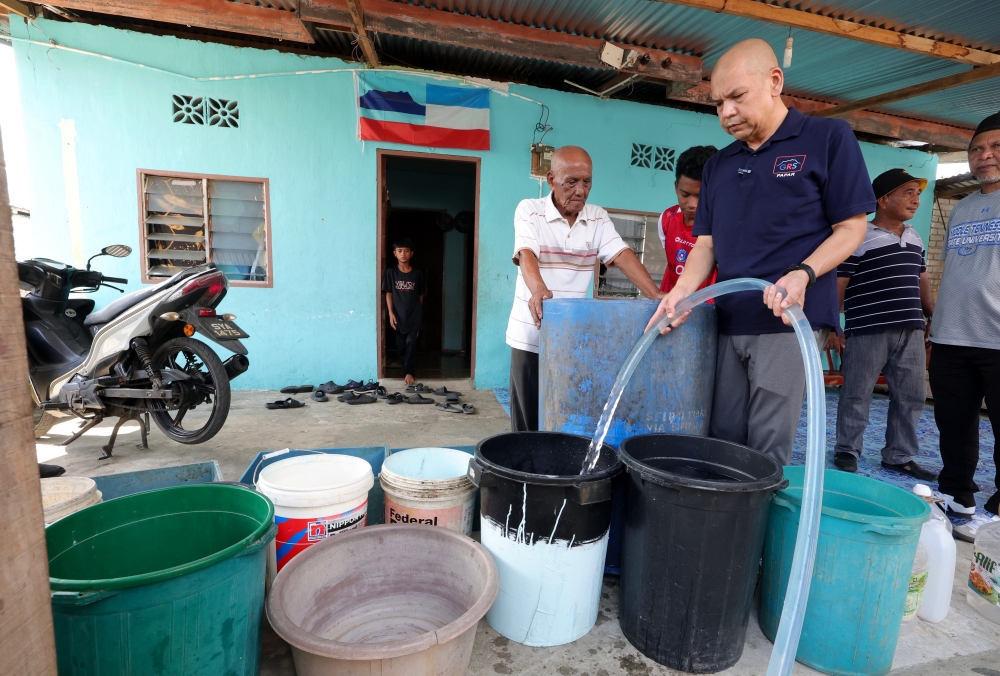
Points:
x=867 y=542
x=165 y=582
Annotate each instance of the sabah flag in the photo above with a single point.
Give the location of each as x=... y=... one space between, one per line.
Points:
x=420 y=114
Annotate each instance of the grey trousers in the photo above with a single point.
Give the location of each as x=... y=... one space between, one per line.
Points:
x=899 y=355
x=760 y=384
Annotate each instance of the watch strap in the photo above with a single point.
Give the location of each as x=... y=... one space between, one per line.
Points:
x=806 y=269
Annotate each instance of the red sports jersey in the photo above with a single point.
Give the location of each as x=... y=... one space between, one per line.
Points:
x=677 y=243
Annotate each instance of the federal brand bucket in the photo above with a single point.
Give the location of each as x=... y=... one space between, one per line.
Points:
x=429 y=486
x=695 y=512
x=868 y=538
x=547 y=529
x=315 y=497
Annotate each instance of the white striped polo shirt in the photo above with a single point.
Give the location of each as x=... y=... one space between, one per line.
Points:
x=566 y=258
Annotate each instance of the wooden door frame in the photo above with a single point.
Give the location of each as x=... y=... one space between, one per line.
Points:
x=380 y=157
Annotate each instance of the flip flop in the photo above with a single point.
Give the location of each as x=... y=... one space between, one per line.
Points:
x=417 y=399
x=296 y=389
x=347 y=397
x=362 y=399
x=287 y=403
x=319 y=395
x=395 y=398
x=419 y=388
x=468 y=409
x=449 y=407
x=443 y=391
x=331 y=387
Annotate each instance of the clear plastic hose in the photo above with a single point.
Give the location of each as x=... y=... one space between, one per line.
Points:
x=793 y=612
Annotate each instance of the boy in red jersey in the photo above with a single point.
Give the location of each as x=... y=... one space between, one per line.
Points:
x=677 y=221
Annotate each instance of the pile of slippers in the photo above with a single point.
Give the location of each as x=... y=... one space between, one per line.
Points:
x=358 y=392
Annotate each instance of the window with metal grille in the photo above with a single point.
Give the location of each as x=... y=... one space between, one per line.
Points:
x=635 y=228
x=190 y=219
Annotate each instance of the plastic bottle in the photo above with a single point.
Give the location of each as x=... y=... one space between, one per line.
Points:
x=915 y=592
x=937 y=509
x=936 y=538
x=983 y=593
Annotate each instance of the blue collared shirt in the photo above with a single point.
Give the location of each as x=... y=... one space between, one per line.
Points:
x=770 y=208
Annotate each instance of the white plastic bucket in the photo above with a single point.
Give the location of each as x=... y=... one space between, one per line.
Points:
x=315 y=497
x=429 y=486
x=61 y=496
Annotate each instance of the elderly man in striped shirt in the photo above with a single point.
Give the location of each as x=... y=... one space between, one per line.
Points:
x=884 y=289
x=557 y=242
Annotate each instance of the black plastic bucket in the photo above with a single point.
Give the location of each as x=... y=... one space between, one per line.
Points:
x=547 y=529
x=695 y=514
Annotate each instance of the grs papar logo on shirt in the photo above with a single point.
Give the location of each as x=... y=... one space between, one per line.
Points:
x=788 y=165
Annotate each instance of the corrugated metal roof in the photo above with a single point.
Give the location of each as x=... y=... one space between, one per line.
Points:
x=823 y=67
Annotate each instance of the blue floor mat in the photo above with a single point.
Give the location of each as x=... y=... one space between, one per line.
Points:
x=871 y=458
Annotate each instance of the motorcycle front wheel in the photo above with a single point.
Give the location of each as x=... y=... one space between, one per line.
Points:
x=207 y=385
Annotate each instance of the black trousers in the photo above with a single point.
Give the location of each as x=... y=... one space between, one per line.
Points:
x=523 y=391
x=960 y=378
x=406 y=345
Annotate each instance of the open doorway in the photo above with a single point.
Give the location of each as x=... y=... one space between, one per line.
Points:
x=433 y=201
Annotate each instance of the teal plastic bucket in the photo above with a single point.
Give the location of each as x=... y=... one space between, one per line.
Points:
x=867 y=542
x=166 y=582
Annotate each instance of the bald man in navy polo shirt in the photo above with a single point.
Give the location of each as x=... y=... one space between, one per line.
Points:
x=786 y=202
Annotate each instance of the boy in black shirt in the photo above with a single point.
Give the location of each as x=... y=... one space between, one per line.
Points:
x=404 y=289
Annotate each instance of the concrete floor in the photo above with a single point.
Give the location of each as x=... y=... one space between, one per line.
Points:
x=963 y=644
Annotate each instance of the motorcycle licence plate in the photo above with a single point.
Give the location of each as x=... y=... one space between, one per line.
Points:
x=224 y=330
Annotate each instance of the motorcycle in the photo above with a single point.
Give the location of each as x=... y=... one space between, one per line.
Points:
x=136 y=358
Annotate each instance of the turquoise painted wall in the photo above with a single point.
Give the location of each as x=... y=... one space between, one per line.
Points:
x=299 y=131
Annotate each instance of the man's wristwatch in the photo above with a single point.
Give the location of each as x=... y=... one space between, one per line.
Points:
x=806 y=269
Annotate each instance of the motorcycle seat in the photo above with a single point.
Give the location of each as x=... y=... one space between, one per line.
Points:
x=117 y=307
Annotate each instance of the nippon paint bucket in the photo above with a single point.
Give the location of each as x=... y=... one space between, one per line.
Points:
x=429 y=486
x=546 y=527
x=315 y=497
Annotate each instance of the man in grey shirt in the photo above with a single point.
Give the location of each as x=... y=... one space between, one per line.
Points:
x=965 y=331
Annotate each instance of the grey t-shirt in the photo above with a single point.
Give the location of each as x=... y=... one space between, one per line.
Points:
x=967 y=312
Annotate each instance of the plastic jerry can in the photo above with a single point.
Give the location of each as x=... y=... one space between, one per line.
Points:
x=941 y=554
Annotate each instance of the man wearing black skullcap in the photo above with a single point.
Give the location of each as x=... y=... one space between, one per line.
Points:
x=965 y=360
x=884 y=289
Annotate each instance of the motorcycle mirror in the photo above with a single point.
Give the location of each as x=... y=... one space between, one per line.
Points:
x=117 y=250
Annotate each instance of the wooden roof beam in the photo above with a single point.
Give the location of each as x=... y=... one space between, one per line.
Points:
x=878 y=124
x=912 y=92
x=233 y=17
x=432 y=25
x=15 y=7
x=358 y=20
x=883 y=37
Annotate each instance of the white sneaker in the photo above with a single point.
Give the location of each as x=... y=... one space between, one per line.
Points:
x=968 y=531
x=953 y=507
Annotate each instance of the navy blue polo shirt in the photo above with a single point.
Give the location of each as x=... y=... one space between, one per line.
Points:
x=770 y=208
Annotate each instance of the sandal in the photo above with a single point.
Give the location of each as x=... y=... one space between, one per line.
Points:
x=287 y=403
x=468 y=409
x=452 y=397
x=362 y=399
x=449 y=407
x=331 y=387
x=417 y=399
x=296 y=389
x=395 y=398
x=319 y=395
x=347 y=397
x=381 y=392
x=419 y=388
x=444 y=391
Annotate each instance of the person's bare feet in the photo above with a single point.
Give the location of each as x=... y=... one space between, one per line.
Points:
x=409 y=379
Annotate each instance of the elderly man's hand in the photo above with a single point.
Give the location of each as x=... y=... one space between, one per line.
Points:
x=535 y=305
x=794 y=283
x=836 y=343
x=667 y=307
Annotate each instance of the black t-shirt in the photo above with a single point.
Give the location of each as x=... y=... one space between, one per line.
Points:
x=406 y=289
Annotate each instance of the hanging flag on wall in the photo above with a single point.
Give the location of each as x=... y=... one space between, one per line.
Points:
x=421 y=114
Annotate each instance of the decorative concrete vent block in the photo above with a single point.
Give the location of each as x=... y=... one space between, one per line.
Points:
x=188 y=109
x=223 y=113
x=653 y=157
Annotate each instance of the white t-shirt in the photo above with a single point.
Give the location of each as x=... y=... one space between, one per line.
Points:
x=566 y=258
